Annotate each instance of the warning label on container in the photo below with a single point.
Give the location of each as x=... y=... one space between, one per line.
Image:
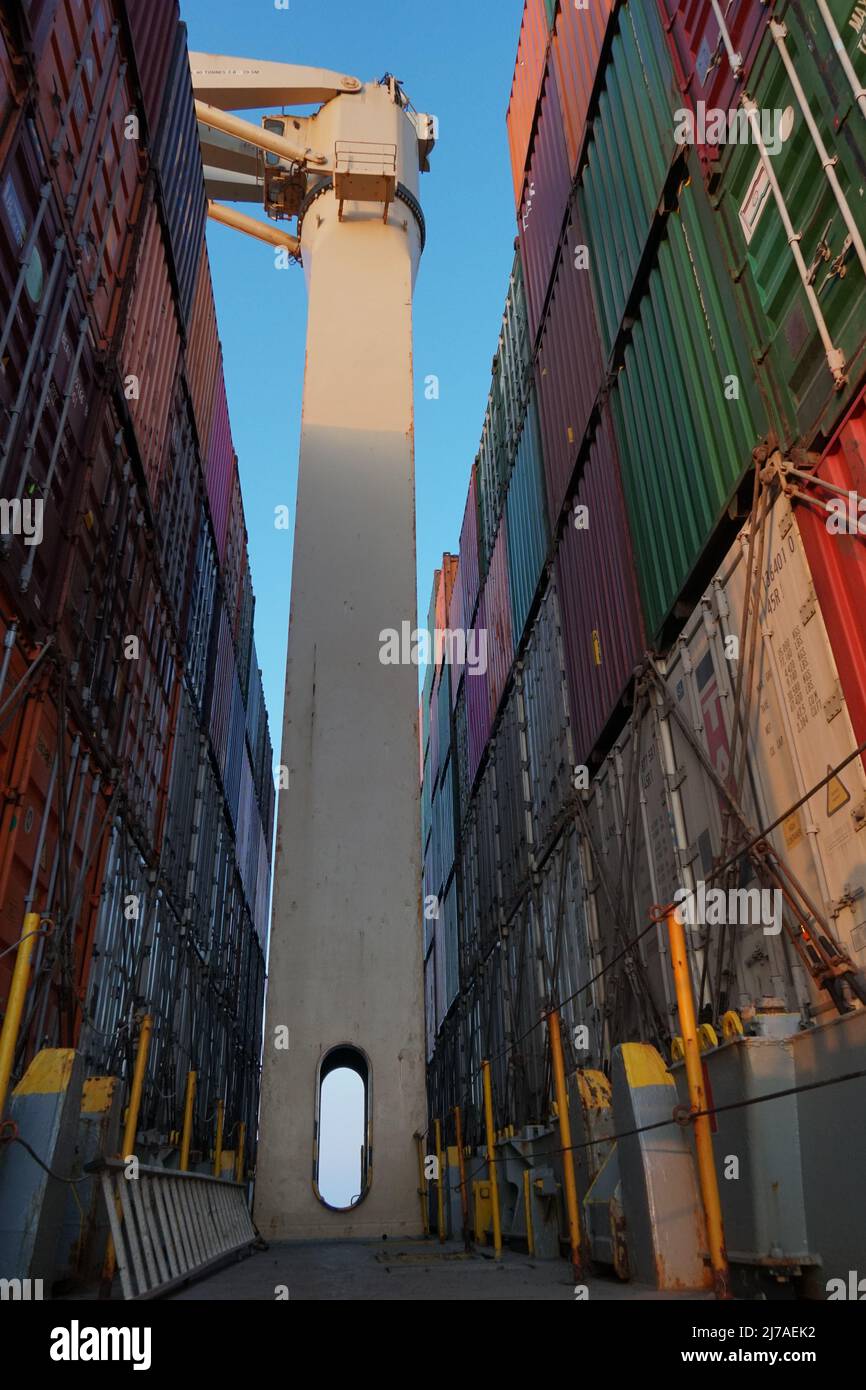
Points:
x=838 y=795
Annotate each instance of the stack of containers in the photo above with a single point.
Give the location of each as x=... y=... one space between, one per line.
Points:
x=115 y=435
x=674 y=340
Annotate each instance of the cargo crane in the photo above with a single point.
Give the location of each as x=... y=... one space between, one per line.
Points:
x=345 y=976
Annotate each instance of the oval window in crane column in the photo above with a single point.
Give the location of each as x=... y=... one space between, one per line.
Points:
x=343 y=1128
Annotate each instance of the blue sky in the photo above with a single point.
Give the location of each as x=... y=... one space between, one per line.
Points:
x=456 y=61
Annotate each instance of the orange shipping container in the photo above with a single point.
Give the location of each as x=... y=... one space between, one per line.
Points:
x=576 y=46
x=531 y=54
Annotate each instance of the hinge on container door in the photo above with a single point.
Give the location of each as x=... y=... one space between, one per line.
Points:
x=839 y=269
x=675 y=779
x=822 y=253
x=833 y=704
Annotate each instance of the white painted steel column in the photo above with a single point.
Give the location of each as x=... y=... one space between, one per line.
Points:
x=345 y=957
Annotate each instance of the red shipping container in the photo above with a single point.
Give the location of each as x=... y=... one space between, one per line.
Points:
x=544 y=203
x=203 y=353
x=220 y=466
x=153 y=24
x=149 y=357
x=569 y=368
x=497 y=610
x=13 y=83
x=597 y=585
x=700 y=58
x=838 y=561
x=528 y=69
x=469 y=570
x=33 y=23
x=85 y=103
x=576 y=46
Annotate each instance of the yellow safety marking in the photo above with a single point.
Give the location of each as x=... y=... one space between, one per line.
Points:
x=838 y=794
x=644 y=1066
x=98 y=1094
x=48 y=1073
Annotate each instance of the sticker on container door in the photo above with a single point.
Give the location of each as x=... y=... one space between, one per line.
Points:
x=838 y=794
x=752 y=207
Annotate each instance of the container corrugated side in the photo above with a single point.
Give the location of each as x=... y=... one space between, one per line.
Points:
x=430 y=1007
x=784 y=333
x=83 y=103
x=489 y=876
x=700 y=57
x=497 y=612
x=182 y=793
x=544 y=201
x=448 y=924
x=457 y=625
x=12 y=94
x=548 y=729
x=575 y=53
x=470 y=569
x=627 y=159
x=221 y=690
x=527 y=522
x=202 y=609
x=837 y=559
x=220 y=466
x=153 y=24
x=179 y=515
x=478 y=715
x=177 y=156
x=236 y=749
x=528 y=71
x=511 y=801
x=598 y=596
x=684 y=441
x=569 y=369
x=151 y=347
x=443 y=713
x=512 y=361
x=202 y=359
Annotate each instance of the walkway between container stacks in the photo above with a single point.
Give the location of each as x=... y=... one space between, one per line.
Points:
x=403 y=1270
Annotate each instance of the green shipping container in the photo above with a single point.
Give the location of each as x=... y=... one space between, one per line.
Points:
x=550 y=6
x=527 y=525
x=686 y=408
x=786 y=341
x=627 y=159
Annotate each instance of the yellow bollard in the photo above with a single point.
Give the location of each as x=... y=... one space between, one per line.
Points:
x=129 y=1131
x=422 y=1188
x=569 y=1179
x=15 y=1004
x=527 y=1206
x=218 y=1145
x=440 y=1195
x=186 y=1140
x=491 y=1159
x=461 y=1159
x=239 y=1160
x=698 y=1099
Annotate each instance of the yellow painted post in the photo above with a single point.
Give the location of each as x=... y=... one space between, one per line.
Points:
x=527 y=1206
x=218 y=1145
x=129 y=1131
x=422 y=1185
x=569 y=1180
x=15 y=1004
x=186 y=1139
x=698 y=1100
x=461 y=1159
x=440 y=1194
x=239 y=1158
x=491 y=1158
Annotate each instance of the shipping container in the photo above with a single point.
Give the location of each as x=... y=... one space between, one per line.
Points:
x=569 y=368
x=202 y=359
x=576 y=56
x=220 y=466
x=497 y=620
x=627 y=159
x=598 y=596
x=544 y=203
x=550 y=751
x=528 y=71
x=177 y=845
x=13 y=84
x=148 y=361
x=685 y=437
x=203 y=610
x=526 y=522
x=177 y=155
x=477 y=682
x=471 y=569
x=86 y=113
x=153 y=25
x=511 y=364
x=180 y=511
x=513 y=818
x=836 y=551
x=810 y=346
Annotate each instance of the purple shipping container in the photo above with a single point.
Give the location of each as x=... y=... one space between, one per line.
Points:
x=497 y=607
x=477 y=702
x=569 y=369
x=595 y=575
x=153 y=24
x=545 y=197
x=469 y=570
x=221 y=466
x=178 y=161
